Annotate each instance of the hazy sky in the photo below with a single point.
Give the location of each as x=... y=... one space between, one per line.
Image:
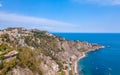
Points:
x=62 y=15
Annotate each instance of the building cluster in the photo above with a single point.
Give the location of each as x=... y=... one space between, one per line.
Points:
x=16 y=32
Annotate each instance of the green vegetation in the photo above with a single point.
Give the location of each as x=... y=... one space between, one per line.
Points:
x=47 y=45
x=5 y=37
x=8 y=66
x=4 y=48
x=1 y=63
x=70 y=72
x=62 y=73
x=27 y=59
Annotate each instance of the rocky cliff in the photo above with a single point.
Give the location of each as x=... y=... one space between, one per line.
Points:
x=35 y=52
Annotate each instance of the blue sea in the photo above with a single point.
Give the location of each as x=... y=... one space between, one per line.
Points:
x=100 y=62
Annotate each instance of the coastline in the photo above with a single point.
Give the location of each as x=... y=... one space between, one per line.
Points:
x=83 y=55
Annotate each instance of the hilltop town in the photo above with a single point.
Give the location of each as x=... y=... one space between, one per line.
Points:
x=36 y=52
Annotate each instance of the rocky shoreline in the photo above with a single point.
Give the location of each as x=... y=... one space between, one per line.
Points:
x=83 y=56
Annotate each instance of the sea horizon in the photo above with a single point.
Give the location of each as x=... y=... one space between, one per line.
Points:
x=88 y=32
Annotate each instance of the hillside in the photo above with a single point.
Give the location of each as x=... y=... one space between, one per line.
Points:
x=36 y=52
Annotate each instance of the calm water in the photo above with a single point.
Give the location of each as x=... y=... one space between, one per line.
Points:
x=102 y=62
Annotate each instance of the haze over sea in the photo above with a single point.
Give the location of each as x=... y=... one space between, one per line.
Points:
x=100 y=62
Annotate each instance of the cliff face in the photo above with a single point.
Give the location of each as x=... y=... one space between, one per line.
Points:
x=35 y=52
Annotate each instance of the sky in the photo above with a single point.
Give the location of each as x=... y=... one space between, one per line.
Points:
x=82 y=16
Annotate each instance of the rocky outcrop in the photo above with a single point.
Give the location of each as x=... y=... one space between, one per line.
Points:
x=39 y=52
